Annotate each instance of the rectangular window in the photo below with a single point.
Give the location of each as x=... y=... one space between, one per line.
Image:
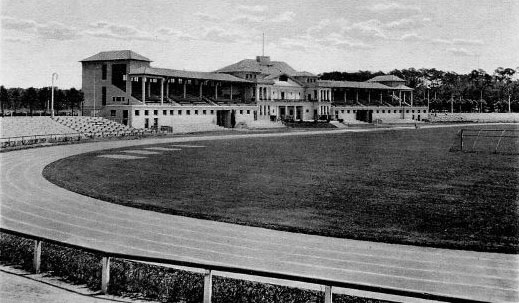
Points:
x=171 y=112
x=103 y=95
x=407 y=111
x=165 y=112
x=196 y=111
x=377 y=111
x=354 y=111
x=156 y=112
x=248 y=112
x=188 y=112
x=412 y=111
x=424 y=111
x=395 y=111
x=241 y=111
x=348 y=111
x=146 y=112
x=104 y=71
x=137 y=112
x=113 y=113
x=383 y=111
x=180 y=112
x=204 y=112
x=212 y=112
x=418 y=111
x=342 y=111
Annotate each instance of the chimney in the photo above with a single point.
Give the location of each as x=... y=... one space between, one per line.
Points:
x=263 y=60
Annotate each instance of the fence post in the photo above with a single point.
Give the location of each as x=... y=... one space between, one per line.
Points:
x=105 y=274
x=327 y=294
x=208 y=286
x=36 y=261
x=461 y=140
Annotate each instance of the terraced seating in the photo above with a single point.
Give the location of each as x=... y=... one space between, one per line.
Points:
x=94 y=126
x=31 y=126
x=190 y=100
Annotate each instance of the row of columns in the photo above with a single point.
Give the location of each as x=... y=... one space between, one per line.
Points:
x=105 y=275
x=380 y=96
x=147 y=89
x=263 y=93
x=324 y=110
x=324 y=95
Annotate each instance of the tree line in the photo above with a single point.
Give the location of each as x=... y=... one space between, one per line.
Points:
x=477 y=91
x=36 y=101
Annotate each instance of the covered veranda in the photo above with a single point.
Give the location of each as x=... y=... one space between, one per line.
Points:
x=368 y=93
x=157 y=85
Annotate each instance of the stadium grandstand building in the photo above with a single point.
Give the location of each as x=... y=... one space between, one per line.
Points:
x=123 y=86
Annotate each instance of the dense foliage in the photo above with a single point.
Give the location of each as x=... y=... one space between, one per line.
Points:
x=37 y=100
x=476 y=91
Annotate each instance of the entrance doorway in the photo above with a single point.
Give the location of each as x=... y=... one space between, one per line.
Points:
x=364 y=115
x=223 y=118
x=125 y=117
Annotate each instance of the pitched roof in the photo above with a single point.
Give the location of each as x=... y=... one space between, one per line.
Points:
x=303 y=74
x=353 y=84
x=251 y=65
x=402 y=87
x=116 y=55
x=165 y=72
x=386 y=78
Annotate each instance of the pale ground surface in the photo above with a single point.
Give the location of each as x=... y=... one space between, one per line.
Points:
x=17 y=286
x=31 y=204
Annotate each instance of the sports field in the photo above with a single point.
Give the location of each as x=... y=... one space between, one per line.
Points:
x=400 y=186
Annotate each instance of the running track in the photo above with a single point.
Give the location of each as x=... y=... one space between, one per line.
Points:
x=30 y=204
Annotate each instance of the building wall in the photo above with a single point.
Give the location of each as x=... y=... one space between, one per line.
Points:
x=384 y=113
x=175 y=116
x=92 y=85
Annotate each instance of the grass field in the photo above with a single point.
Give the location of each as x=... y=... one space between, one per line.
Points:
x=398 y=186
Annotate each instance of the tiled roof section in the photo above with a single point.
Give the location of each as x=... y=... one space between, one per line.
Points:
x=303 y=74
x=402 y=87
x=386 y=78
x=353 y=84
x=165 y=72
x=116 y=55
x=251 y=65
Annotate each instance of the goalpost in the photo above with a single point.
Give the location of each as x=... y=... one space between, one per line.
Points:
x=497 y=141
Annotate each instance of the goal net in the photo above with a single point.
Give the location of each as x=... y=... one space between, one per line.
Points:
x=499 y=141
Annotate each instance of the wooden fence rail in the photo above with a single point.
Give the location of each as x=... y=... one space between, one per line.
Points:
x=209 y=268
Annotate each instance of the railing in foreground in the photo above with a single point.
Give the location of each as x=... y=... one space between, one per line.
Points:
x=35 y=139
x=209 y=268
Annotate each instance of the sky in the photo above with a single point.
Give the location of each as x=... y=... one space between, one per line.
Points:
x=40 y=37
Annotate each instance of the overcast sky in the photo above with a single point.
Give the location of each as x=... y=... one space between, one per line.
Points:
x=39 y=37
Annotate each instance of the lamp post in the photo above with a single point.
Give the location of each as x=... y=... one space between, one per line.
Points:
x=54 y=75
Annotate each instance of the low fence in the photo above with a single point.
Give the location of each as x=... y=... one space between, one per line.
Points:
x=67 y=137
x=474 y=117
x=209 y=268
